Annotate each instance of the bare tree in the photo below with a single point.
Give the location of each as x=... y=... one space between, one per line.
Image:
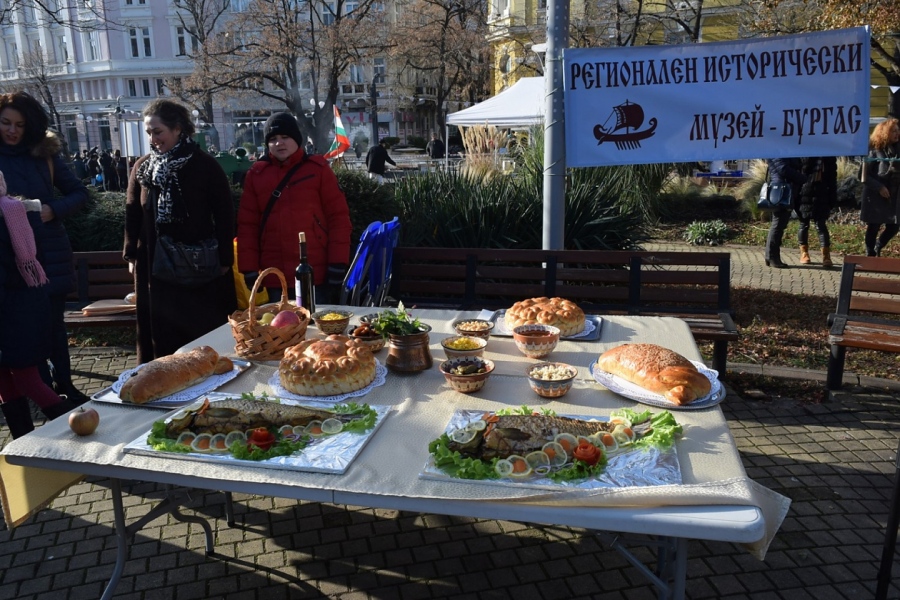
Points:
x=443 y=43
x=293 y=50
x=37 y=79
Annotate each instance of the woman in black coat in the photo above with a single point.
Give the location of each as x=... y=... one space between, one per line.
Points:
x=881 y=187
x=789 y=171
x=817 y=197
x=30 y=160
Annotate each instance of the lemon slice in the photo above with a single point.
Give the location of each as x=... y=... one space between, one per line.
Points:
x=299 y=429
x=234 y=436
x=286 y=430
x=503 y=468
x=185 y=438
x=314 y=428
x=555 y=453
x=201 y=443
x=568 y=441
x=217 y=443
x=463 y=436
x=537 y=459
x=331 y=426
x=478 y=425
x=520 y=466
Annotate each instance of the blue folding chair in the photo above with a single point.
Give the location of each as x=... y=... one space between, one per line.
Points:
x=382 y=261
x=354 y=281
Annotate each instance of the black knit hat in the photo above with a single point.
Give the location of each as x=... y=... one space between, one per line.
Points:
x=283 y=124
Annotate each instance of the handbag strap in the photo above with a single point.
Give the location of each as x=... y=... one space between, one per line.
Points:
x=276 y=194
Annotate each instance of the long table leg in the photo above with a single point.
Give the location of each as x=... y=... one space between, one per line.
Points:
x=670 y=574
x=121 y=539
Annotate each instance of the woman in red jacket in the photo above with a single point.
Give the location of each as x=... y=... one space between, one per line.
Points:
x=310 y=201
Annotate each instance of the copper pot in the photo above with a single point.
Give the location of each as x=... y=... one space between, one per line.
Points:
x=409 y=353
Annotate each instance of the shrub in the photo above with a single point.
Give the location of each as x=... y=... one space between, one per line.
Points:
x=416 y=141
x=367 y=200
x=706 y=233
x=100 y=225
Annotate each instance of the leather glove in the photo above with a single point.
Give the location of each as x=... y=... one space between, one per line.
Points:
x=250 y=279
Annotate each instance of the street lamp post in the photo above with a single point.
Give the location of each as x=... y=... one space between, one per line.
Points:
x=87 y=134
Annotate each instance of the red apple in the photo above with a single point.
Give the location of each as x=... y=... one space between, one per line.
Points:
x=84 y=421
x=285 y=318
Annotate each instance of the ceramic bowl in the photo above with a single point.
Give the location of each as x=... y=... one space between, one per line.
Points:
x=480 y=328
x=467 y=383
x=332 y=326
x=554 y=381
x=536 y=341
x=478 y=350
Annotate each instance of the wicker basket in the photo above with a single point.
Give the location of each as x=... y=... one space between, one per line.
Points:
x=254 y=341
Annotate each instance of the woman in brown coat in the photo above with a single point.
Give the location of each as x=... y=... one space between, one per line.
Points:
x=180 y=191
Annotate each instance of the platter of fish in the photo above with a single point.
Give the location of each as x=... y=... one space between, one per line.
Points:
x=178 y=399
x=634 y=392
x=545 y=450
x=591 y=332
x=266 y=432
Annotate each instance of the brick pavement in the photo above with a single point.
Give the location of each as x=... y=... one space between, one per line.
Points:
x=836 y=462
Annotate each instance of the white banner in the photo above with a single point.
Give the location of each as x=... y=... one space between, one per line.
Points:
x=799 y=95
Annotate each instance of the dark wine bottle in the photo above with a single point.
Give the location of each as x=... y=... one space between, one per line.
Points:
x=303 y=280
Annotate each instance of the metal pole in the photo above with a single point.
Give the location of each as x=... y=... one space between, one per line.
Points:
x=554 y=128
x=373 y=115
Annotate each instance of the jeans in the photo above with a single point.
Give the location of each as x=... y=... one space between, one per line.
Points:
x=821 y=227
x=780 y=220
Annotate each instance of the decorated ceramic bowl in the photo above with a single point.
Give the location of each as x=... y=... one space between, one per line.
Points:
x=536 y=341
x=551 y=379
x=467 y=375
x=332 y=322
x=480 y=328
x=463 y=346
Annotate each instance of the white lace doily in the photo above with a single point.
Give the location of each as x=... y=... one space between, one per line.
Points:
x=281 y=392
x=634 y=392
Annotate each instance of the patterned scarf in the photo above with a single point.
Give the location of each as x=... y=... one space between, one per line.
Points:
x=161 y=172
x=22 y=238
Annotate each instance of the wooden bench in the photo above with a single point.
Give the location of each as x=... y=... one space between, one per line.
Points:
x=100 y=275
x=694 y=286
x=868 y=311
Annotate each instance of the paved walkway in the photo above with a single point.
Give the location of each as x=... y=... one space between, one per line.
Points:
x=836 y=461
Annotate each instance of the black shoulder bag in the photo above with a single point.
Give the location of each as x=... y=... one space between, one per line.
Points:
x=186 y=265
x=774 y=196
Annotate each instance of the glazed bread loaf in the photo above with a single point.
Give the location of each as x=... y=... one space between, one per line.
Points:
x=561 y=313
x=658 y=370
x=329 y=367
x=169 y=374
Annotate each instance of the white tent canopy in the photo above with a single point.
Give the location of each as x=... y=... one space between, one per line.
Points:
x=521 y=105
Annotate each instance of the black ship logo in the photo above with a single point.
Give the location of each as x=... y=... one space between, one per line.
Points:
x=629 y=117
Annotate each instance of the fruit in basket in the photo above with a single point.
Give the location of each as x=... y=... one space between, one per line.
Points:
x=266 y=318
x=84 y=421
x=285 y=318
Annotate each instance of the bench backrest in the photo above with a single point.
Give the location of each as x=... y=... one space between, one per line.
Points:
x=610 y=280
x=100 y=275
x=869 y=285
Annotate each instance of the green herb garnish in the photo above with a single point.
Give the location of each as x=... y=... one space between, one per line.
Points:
x=399 y=322
x=456 y=465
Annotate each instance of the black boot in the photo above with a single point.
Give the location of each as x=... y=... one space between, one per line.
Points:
x=57 y=410
x=18 y=416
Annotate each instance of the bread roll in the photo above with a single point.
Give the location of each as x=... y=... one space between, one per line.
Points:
x=329 y=367
x=658 y=370
x=559 y=312
x=169 y=374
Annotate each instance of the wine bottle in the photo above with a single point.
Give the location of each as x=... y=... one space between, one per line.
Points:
x=303 y=280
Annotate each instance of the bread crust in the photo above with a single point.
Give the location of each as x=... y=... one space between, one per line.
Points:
x=658 y=370
x=167 y=375
x=327 y=367
x=559 y=312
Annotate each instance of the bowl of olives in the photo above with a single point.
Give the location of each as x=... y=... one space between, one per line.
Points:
x=467 y=374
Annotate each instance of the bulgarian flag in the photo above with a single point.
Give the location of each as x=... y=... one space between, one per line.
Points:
x=341 y=141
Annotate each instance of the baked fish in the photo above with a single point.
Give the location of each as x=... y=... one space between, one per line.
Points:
x=240 y=414
x=505 y=435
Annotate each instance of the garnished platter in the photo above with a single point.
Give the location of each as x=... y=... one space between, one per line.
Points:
x=620 y=386
x=522 y=447
x=182 y=398
x=274 y=433
x=592 y=325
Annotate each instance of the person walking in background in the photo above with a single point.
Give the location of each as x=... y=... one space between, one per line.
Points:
x=311 y=201
x=24 y=327
x=121 y=167
x=817 y=197
x=435 y=148
x=880 y=204
x=787 y=171
x=180 y=191
x=30 y=158
x=376 y=158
